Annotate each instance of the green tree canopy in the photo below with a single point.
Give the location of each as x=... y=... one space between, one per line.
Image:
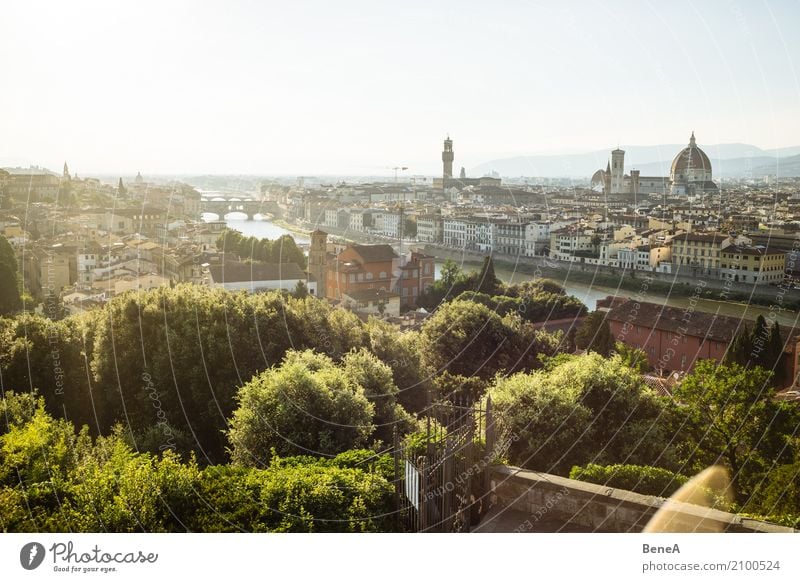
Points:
x=594 y=335
x=731 y=417
x=585 y=409
x=10 y=301
x=469 y=339
x=305 y=406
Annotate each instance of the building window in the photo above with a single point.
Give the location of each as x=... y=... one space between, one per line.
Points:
x=383 y=275
x=369 y=276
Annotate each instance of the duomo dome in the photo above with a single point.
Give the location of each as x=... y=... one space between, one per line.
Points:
x=691 y=165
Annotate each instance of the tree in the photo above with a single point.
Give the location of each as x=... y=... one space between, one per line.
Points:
x=375 y=378
x=632 y=357
x=487 y=281
x=596 y=240
x=759 y=340
x=177 y=356
x=400 y=351
x=731 y=417
x=775 y=356
x=451 y=273
x=53 y=479
x=305 y=406
x=121 y=188
x=595 y=334
x=466 y=338
x=585 y=409
x=10 y=301
x=740 y=348
x=301 y=290
x=410 y=228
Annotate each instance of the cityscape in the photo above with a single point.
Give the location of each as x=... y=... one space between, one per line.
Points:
x=545 y=337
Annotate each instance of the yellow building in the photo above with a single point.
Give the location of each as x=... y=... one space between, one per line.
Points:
x=753 y=264
x=700 y=251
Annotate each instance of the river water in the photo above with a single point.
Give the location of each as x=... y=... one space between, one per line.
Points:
x=259 y=228
x=589 y=294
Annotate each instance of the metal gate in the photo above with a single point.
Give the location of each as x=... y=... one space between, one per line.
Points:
x=440 y=479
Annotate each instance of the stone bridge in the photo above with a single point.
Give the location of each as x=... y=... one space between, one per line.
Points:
x=224 y=206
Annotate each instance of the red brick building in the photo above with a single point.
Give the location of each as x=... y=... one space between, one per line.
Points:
x=674 y=339
x=415 y=277
x=359 y=268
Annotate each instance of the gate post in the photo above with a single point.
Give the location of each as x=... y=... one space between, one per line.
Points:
x=398 y=491
x=488 y=457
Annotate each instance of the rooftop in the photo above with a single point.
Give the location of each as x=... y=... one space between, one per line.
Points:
x=710 y=326
x=238 y=272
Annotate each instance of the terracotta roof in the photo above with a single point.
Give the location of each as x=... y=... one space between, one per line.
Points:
x=370 y=295
x=701 y=324
x=374 y=253
x=691 y=157
x=236 y=272
x=754 y=250
x=702 y=236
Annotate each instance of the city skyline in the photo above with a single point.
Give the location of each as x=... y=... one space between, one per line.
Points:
x=316 y=89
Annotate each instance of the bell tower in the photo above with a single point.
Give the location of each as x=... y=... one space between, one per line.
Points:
x=617 y=171
x=317 y=256
x=447 y=158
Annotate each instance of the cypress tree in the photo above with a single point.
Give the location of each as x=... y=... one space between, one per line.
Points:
x=9 y=287
x=487 y=280
x=758 y=344
x=775 y=354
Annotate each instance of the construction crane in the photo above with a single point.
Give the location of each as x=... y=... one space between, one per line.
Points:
x=396 y=168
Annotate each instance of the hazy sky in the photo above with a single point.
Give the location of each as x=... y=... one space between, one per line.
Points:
x=306 y=87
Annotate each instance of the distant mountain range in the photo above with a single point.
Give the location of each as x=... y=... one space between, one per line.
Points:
x=730 y=160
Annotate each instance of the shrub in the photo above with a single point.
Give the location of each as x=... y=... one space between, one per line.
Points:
x=641 y=479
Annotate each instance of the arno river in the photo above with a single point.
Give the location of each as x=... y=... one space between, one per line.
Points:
x=587 y=293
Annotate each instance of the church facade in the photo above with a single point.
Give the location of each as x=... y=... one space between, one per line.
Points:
x=690 y=174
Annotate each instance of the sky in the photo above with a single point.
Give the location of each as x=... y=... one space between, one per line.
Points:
x=359 y=87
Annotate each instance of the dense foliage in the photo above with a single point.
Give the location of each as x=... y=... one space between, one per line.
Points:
x=10 y=301
x=585 y=409
x=308 y=404
x=469 y=339
x=762 y=346
x=52 y=479
x=143 y=401
x=530 y=306
x=730 y=416
x=534 y=301
x=170 y=358
x=594 y=335
x=639 y=478
x=281 y=250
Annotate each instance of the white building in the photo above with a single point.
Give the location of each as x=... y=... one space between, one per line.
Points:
x=430 y=228
x=454 y=232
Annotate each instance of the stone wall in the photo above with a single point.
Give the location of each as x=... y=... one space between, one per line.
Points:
x=600 y=508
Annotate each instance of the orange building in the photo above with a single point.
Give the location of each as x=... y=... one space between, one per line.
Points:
x=359 y=268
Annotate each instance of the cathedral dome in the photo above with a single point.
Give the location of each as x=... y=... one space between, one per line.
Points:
x=690 y=159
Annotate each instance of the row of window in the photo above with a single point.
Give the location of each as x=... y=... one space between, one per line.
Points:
x=357 y=277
